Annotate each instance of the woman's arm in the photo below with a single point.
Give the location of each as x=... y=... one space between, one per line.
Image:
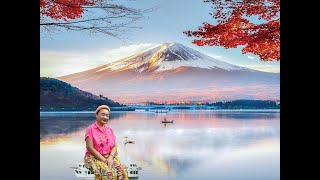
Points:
x=93 y=151
x=111 y=156
x=114 y=151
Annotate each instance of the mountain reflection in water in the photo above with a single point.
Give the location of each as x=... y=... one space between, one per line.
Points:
x=200 y=144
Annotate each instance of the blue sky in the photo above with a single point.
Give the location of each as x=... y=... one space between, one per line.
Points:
x=68 y=52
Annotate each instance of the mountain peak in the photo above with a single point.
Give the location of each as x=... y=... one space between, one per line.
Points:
x=172 y=44
x=173 y=72
x=168 y=56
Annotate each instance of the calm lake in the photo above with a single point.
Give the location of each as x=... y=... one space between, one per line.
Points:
x=200 y=144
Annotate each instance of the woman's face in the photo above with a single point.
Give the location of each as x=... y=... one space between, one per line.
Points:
x=103 y=116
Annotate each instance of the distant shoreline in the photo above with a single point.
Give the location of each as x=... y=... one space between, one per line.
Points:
x=123 y=108
x=92 y=111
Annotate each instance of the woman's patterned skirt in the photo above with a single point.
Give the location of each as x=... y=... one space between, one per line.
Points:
x=103 y=172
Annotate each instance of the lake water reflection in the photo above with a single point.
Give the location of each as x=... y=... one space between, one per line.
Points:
x=200 y=144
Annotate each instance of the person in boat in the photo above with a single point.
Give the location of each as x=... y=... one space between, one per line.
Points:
x=101 y=149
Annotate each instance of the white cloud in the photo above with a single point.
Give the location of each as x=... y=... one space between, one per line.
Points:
x=251 y=57
x=125 y=51
x=265 y=68
x=219 y=57
x=59 y=63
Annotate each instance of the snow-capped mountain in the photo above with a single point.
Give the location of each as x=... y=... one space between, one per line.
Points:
x=172 y=72
x=168 y=56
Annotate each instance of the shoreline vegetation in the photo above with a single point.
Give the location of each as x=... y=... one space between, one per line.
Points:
x=122 y=108
x=229 y=105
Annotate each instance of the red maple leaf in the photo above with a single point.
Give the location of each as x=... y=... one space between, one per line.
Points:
x=64 y=9
x=235 y=29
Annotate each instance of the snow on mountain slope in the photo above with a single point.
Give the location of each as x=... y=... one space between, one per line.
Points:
x=168 y=56
x=174 y=73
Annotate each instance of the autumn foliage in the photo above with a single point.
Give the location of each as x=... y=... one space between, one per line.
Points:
x=234 y=28
x=64 y=9
x=94 y=16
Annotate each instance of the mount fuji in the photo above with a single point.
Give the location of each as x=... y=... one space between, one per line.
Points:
x=172 y=72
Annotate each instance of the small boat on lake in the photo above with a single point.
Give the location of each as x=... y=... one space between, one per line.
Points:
x=167 y=121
